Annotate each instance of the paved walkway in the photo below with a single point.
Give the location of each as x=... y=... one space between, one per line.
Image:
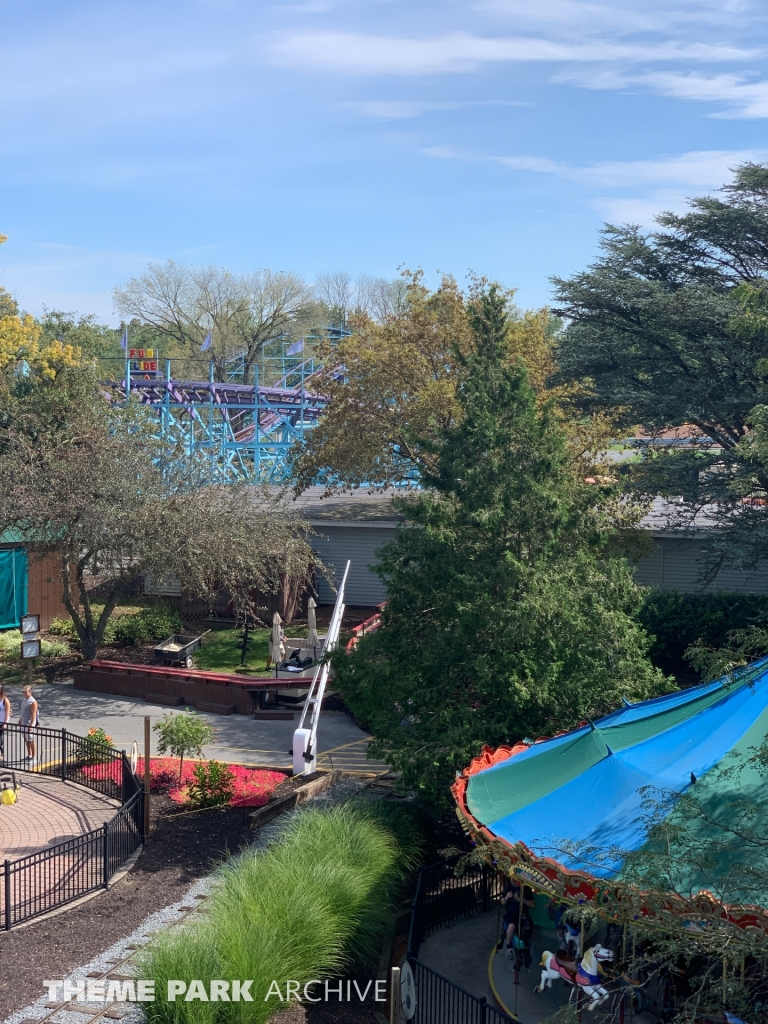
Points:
x=465 y=954
x=49 y=811
x=239 y=738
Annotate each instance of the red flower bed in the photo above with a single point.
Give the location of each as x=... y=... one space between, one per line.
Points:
x=252 y=786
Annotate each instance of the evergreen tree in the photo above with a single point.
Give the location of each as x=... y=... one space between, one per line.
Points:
x=669 y=329
x=506 y=615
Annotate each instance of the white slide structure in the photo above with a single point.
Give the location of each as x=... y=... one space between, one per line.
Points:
x=305 y=736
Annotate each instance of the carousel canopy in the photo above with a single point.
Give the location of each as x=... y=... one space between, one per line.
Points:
x=587 y=788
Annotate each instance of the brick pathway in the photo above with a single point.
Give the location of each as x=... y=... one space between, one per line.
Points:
x=48 y=812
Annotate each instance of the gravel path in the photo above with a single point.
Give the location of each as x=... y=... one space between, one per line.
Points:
x=138 y=935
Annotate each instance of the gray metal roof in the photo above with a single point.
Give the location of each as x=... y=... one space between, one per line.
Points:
x=359 y=508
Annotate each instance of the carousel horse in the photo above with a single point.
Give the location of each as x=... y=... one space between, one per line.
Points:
x=572 y=938
x=585 y=972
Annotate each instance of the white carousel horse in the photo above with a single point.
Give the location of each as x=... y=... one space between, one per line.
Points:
x=585 y=972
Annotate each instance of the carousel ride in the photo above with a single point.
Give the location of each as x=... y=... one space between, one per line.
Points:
x=566 y=815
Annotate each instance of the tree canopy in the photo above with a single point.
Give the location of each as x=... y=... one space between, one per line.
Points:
x=506 y=615
x=243 y=312
x=668 y=329
x=89 y=482
x=392 y=389
x=373 y=297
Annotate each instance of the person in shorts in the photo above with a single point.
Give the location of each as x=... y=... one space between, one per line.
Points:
x=28 y=720
x=5 y=717
x=510 y=901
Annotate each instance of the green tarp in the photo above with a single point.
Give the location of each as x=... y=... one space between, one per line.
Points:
x=13 y=586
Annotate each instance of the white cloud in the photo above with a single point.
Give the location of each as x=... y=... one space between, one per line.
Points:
x=397 y=110
x=462 y=52
x=696 y=169
x=624 y=18
x=659 y=184
x=747 y=99
x=641 y=210
x=565 y=15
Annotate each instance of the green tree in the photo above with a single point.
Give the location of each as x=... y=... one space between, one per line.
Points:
x=392 y=389
x=397 y=390
x=94 y=340
x=506 y=617
x=183 y=735
x=669 y=329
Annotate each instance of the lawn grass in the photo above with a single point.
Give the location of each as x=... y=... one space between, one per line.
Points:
x=312 y=906
x=220 y=653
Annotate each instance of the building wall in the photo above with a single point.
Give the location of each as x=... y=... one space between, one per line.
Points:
x=44 y=588
x=675 y=564
x=359 y=543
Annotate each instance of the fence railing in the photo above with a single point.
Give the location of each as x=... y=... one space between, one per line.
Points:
x=440 y=899
x=439 y=1001
x=49 y=879
x=63 y=755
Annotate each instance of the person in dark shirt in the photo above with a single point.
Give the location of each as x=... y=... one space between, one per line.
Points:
x=510 y=901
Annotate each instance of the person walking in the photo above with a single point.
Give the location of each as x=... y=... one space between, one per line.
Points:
x=5 y=717
x=29 y=717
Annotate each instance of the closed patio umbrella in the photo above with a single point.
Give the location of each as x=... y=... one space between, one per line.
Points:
x=313 y=640
x=276 y=645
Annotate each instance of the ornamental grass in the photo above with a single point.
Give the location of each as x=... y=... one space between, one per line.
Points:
x=314 y=905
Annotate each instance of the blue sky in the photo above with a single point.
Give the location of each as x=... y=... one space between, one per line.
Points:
x=494 y=135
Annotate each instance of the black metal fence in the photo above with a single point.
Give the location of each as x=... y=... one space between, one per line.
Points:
x=439 y=1001
x=49 y=879
x=440 y=899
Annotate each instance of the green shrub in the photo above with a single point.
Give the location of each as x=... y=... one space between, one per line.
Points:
x=677 y=620
x=148 y=625
x=96 y=747
x=10 y=646
x=54 y=648
x=10 y=643
x=312 y=906
x=213 y=784
x=63 y=627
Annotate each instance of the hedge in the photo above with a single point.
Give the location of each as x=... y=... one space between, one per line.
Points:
x=676 y=620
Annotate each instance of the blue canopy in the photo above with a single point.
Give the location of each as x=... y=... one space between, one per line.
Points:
x=587 y=789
